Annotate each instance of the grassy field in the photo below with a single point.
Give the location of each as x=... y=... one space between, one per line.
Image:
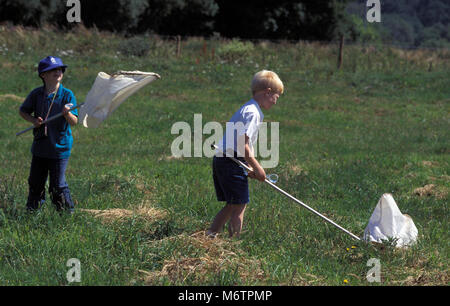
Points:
x=379 y=125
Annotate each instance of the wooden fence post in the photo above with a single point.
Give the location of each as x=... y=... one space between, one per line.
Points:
x=178 y=45
x=341 y=51
x=204 y=49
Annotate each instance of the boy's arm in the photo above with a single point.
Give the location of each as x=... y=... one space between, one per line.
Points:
x=258 y=171
x=27 y=108
x=35 y=121
x=71 y=118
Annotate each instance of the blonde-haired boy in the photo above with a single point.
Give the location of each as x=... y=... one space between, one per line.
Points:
x=266 y=79
x=230 y=180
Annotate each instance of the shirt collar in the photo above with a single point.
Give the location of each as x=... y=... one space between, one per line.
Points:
x=257 y=106
x=58 y=92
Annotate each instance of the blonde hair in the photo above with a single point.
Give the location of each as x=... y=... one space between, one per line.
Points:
x=266 y=79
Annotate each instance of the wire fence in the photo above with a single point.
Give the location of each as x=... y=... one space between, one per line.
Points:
x=217 y=37
x=347 y=42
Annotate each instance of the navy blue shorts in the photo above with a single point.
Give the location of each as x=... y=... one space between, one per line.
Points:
x=230 y=181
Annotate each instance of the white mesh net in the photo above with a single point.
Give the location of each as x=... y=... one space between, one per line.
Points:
x=109 y=91
x=388 y=223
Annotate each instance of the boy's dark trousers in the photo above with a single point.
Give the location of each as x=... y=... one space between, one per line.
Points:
x=58 y=188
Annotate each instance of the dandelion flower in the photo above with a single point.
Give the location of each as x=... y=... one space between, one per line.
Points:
x=345 y=281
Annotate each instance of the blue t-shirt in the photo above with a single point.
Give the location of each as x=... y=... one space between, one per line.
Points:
x=58 y=141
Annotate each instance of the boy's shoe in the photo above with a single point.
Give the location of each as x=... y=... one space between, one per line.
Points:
x=33 y=206
x=66 y=210
x=210 y=234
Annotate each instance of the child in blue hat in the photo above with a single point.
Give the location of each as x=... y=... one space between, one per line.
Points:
x=52 y=141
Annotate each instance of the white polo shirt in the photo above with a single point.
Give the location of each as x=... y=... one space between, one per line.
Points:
x=246 y=121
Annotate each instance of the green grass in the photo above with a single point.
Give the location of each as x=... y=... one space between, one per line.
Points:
x=379 y=125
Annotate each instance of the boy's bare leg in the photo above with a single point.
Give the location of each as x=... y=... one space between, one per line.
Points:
x=236 y=220
x=220 y=219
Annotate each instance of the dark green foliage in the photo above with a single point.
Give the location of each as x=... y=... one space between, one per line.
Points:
x=400 y=30
x=306 y=20
x=137 y=46
x=178 y=17
x=235 y=50
x=274 y=19
x=423 y=23
x=112 y=15
x=31 y=12
x=407 y=23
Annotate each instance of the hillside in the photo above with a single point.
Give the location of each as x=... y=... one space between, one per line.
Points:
x=410 y=24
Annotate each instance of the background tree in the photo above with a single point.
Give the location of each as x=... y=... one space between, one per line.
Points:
x=276 y=19
x=112 y=15
x=411 y=23
x=178 y=17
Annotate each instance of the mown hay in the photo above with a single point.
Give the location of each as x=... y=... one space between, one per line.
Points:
x=120 y=214
x=439 y=192
x=216 y=256
x=426 y=190
x=11 y=97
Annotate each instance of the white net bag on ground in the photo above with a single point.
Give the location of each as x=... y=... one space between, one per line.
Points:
x=387 y=222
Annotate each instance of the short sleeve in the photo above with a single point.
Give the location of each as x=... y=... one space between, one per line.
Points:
x=71 y=99
x=28 y=105
x=251 y=125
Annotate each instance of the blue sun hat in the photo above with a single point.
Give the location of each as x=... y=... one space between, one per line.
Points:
x=50 y=63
